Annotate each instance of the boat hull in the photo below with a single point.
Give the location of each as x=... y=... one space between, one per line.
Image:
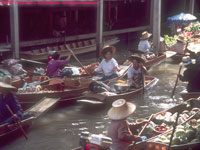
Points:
x=188 y=95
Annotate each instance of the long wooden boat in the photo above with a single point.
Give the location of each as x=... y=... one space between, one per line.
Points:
x=78 y=48
x=68 y=92
x=29 y=116
x=151 y=145
x=110 y=97
x=188 y=95
x=148 y=144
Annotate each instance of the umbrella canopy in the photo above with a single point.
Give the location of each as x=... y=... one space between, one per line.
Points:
x=181 y=18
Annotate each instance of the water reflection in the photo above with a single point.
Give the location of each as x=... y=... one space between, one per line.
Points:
x=60 y=128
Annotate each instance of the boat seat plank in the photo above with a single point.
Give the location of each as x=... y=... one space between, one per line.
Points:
x=42 y=106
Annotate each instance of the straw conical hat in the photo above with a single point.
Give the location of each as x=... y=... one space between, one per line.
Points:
x=121 y=110
x=145 y=35
x=132 y=57
x=108 y=48
x=6 y=83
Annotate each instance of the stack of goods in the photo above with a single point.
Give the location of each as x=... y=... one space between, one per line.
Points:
x=164 y=122
x=90 y=68
x=185 y=134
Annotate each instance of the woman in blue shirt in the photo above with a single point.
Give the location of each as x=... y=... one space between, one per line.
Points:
x=8 y=99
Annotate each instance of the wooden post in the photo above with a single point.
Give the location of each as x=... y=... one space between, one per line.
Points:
x=14 y=28
x=191 y=6
x=156 y=25
x=99 y=35
x=151 y=15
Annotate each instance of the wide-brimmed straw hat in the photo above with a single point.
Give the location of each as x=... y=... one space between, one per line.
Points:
x=181 y=39
x=145 y=35
x=6 y=83
x=107 y=48
x=138 y=58
x=121 y=110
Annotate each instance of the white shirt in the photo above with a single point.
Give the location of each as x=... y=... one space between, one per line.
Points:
x=144 y=46
x=178 y=47
x=108 y=67
x=135 y=75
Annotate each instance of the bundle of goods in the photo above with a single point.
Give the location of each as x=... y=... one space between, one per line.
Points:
x=90 y=68
x=164 y=122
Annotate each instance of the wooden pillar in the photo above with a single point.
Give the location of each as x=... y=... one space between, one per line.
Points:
x=191 y=7
x=14 y=28
x=151 y=15
x=99 y=35
x=156 y=25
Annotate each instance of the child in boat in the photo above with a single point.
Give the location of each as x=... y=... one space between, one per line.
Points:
x=120 y=129
x=54 y=65
x=108 y=65
x=144 y=45
x=8 y=99
x=136 y=72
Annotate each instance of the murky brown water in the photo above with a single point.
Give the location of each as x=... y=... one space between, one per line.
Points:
x=59 y=129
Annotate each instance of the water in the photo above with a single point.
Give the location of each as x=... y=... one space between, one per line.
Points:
x=59 y=129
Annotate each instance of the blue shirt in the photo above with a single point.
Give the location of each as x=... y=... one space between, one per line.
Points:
x=13 y=103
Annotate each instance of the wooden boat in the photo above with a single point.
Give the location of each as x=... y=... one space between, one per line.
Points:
x=188 y=95
x=68 y=92
x=78 y=48
x=195 y=103
x=29 y=116
x=149 y=145
x=110 y=97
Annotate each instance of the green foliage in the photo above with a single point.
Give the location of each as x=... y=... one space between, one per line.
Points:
x=169 y=40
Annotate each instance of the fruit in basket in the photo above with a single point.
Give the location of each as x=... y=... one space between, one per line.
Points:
x=176 y=141
x=159 y=119
x=183 y=140
x=180 y=133
x=190 y=134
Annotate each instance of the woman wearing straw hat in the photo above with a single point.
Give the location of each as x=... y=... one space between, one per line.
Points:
x=136 y=72
x=120 y=129
x=8 y=99
x=108 y=65
x=144 y=45
x=179 y=47
x=191 y=74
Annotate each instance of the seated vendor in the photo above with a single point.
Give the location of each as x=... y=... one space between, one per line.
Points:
x=136 y=72
x=54 y=65
x=179 y=47
x=144 y=45
x=191 y=74
x=108 y=65
x=120 y=130
x=7 y=99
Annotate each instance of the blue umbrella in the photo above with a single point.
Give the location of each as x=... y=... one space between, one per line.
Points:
x=181 y=18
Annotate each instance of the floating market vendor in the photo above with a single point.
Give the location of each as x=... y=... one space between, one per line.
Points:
x=7 y=98
x=54 y=65
x=136 y=72
x=144 y=45
x=120 y=130
x=179 y=47
x=191 y=75
x=108 y=65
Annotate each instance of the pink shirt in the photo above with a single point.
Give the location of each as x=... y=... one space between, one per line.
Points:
x=53 y=67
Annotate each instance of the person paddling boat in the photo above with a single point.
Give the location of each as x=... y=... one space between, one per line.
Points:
x=7 y=99
x=108 y=65
x=136 y=72
x=120 y=129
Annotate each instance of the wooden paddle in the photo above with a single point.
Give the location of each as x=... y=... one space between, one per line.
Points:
x=17 y=122
x=77 y=59
x=176 y=80
x=143 y=129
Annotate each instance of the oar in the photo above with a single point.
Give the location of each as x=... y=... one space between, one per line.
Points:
x=142 y=81
x=176 y=80
x=77 y=59
x=173 y=131
x=18 y=123
x=143 y=129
